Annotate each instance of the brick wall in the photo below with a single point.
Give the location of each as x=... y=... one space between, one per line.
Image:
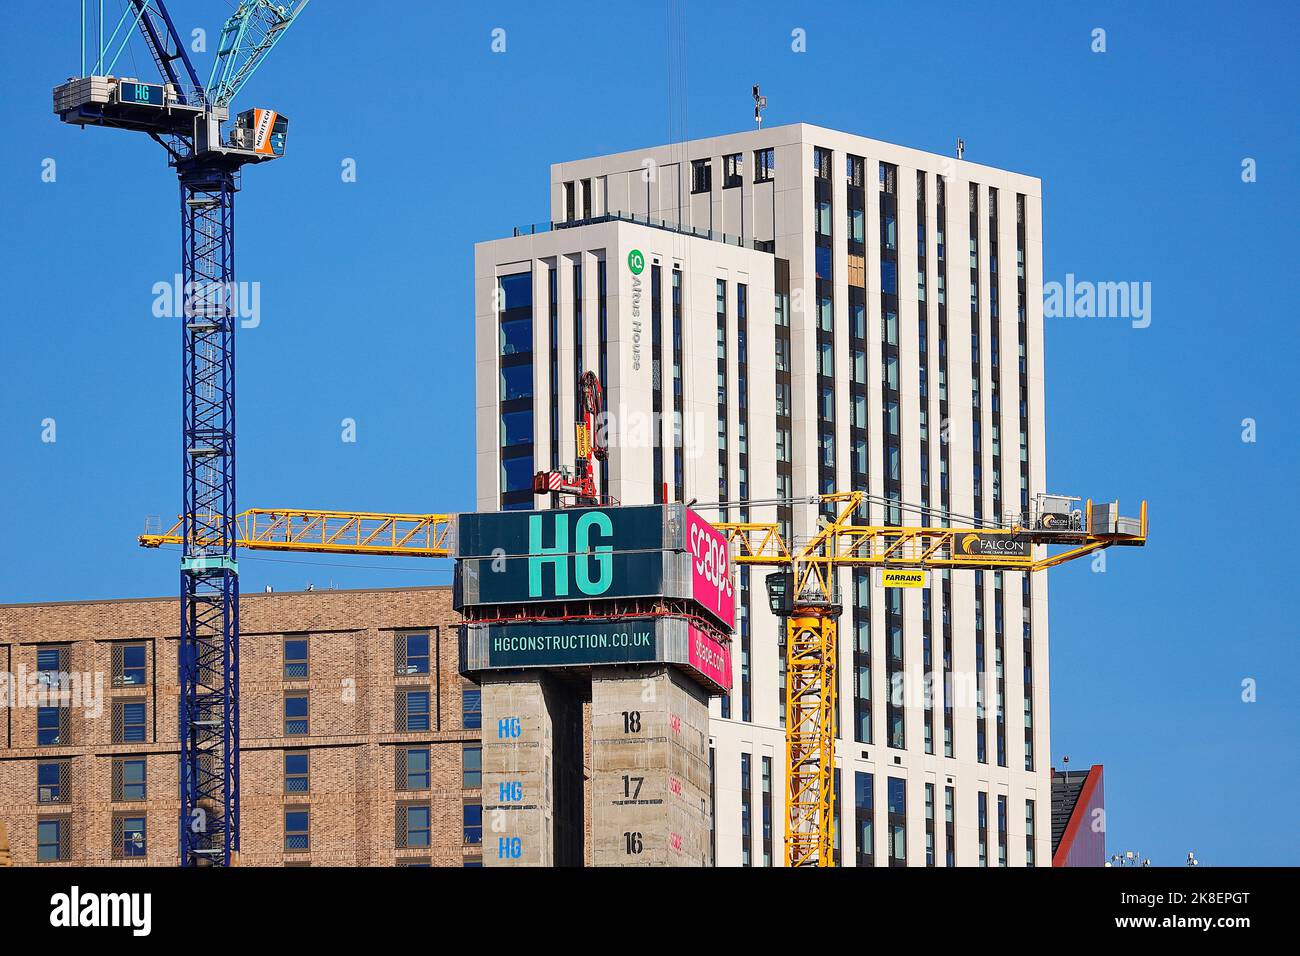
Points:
x=351 y=745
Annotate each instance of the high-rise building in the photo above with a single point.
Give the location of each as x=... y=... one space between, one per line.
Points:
x=778 y=314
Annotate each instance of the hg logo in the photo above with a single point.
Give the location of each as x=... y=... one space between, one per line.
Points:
x=581 y=556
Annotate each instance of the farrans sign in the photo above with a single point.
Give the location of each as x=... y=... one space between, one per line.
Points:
x=902 y=577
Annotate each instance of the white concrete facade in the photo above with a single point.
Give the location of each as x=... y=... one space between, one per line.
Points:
x=656 y=182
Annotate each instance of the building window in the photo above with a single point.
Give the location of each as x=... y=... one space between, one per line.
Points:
x=413 y=768
x=659 y=490
x=679 y=387
x=863 y=808
x=52 y=781
x=471 y=708
x=1029 y=833
x=129 y=838
x=128 y=665
x=411 y=651
x=297 y=771
x=767 y=811
x=413 y=710
x=602 y=341
x=579 y=360
x=713 y=802
x=857 y=225
x=516 y=381
x=821 y=163
x=553 y=317
x=746 y=826
x=929 y=824
x=701 y=175
x=413 y=825
x=822 y=262
x=52 y=727
x=823 y=220
x=52 y=840
x=515 y=318
x=471 y=764
x=569 y=202
x=1002 y=831
x=950 y=826
x=297 y=828
x=743 y=622
x=295 y=658
x=50 y=663
x=982 y=809
x=897 y=822
x=853 y=170
x=129 y=779
x=473 y=824
x=862 y=656
x=733 y=170
x=764 y=165
x=296 y=714
x=128 y=722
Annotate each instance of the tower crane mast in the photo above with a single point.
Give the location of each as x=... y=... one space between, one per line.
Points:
x=186 y=118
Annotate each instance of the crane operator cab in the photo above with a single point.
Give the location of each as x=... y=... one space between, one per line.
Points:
x=262 y=131
x=1055 y=513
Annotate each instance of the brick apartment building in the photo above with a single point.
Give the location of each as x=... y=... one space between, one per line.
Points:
x=359 y=739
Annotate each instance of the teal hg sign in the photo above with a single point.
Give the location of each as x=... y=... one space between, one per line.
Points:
x=560 y=555
x=142 y=94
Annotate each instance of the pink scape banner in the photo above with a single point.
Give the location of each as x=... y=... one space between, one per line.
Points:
x=711 y=658
x=711 y=583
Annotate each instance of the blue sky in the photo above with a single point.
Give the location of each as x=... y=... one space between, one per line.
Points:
x=366 y=306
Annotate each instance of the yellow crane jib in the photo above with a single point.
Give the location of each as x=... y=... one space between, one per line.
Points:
x=337 y=532
x=1009 y=547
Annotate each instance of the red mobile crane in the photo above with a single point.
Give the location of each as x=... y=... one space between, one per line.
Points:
x=591 y=447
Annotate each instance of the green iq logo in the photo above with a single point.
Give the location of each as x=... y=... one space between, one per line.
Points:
x=636 y=262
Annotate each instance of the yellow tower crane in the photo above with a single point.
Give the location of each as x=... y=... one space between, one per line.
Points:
x=805 y=592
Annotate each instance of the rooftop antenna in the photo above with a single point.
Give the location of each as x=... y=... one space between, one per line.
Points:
x=961 y=144
x=760 y=104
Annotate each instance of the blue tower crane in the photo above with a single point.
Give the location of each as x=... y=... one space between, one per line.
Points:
x=186 y=118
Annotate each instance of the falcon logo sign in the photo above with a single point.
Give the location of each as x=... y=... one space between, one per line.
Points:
x=978 y=545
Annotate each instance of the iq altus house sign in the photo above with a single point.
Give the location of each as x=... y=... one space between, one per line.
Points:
x=630 y=609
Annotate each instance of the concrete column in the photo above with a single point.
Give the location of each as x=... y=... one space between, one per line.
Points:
x=650 y=768
x=532 y=772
